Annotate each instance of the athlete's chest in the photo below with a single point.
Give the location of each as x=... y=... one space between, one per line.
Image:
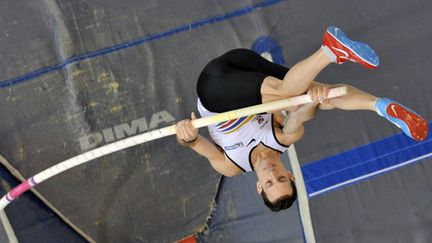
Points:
x=241 y=138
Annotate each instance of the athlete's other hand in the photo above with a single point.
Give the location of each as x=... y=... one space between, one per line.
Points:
x=319 y=93
x=186 y=133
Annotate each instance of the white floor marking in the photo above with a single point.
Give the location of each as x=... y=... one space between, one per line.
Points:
x=301 y=196
x=8 y=228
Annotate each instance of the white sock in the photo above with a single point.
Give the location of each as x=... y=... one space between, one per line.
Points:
x=376 y=107
x=329 y=53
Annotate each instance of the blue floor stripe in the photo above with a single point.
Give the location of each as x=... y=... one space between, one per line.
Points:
x=140 y=41
x=361 y=162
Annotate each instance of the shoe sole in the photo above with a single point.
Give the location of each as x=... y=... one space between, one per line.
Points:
x=361 y=50
x=408 y=121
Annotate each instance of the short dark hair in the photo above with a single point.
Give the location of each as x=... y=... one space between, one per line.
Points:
x=283 y=202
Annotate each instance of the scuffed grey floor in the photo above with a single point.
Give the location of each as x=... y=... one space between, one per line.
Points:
x=159 y=191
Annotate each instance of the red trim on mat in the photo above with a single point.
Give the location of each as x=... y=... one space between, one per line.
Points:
x=190 y=239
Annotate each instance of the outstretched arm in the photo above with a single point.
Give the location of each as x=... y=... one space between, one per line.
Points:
x=187 y=135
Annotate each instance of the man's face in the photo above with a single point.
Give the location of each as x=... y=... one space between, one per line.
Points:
x=273 y=179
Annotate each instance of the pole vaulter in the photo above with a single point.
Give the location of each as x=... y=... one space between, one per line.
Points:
x=153 y=135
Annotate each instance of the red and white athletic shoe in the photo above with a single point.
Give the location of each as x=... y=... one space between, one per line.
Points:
x=340 y=49
x=411 y=123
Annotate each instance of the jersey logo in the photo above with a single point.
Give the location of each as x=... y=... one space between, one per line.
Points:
x=235 y=146
x=259 y=119
x=251 y=141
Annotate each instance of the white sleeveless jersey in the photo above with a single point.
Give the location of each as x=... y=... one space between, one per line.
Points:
x=238 y=137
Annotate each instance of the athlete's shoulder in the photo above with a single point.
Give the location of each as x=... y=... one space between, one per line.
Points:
x=225 y=166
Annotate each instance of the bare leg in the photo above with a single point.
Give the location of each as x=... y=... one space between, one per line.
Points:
x=355 y=99
x=412 y=124
x=297 y=80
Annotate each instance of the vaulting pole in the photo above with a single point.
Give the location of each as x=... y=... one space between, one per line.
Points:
x=153 y=135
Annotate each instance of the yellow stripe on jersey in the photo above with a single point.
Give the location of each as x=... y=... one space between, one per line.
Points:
x=241 y=124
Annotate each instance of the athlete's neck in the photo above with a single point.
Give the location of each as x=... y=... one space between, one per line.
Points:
x=262 y=152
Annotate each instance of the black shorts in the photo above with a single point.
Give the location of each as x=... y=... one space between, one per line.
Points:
x=234 y=80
